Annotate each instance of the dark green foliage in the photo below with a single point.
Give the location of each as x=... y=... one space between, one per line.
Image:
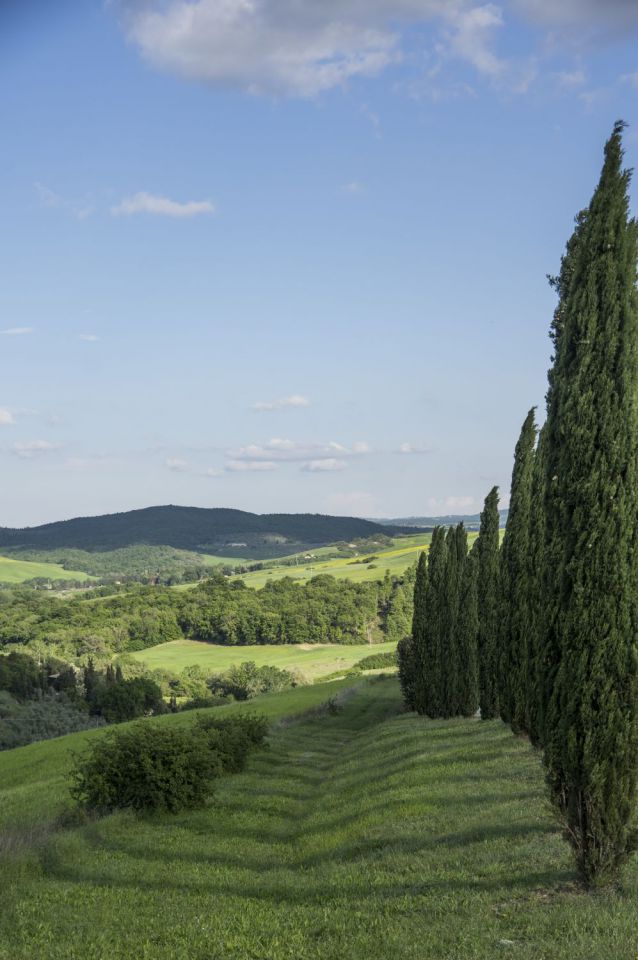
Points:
x=158 y=768
x=247 y=680
x=488 y=606
x=21 y=676
x=43 y=719
x=408 y=665
x=430 y=641
x=146 y=767
x=376 y=661
x=456 y=553
x=121 y=700
x=589 y=657
x=419 y=630
x=515 y=579
x=233 y=738
x=467 y=626
x=397 y=620
x=194 y=528
x=538 y=596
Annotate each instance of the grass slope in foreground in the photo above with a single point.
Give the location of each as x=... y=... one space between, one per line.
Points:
x=18 y=571
x=369 y=834
x=313 y=660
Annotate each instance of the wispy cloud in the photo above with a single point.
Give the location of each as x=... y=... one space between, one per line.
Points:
x=161 y=206
x=408 y=449
x=292 y=451
x=89 y=337
x=28 y=449
x=453 y=504
x=178 y=465
x=295 y=400
x=353 y=187
x=6 y=417
x=49 y=198
x=16 y=331
x=327 y=465
x=250 y=466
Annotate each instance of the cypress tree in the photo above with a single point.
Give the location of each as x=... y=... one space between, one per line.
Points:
x=456 y=548
x=590 y=729
x=515 y=574
x=407 y=671
x=488 y=599
x=467 y=638
x=532 y=722
x=417 y=653
x=433 y=697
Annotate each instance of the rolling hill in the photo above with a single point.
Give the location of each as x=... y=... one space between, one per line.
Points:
x=215 y=530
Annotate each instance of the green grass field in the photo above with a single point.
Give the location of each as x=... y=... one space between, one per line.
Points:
x=312 y=660
x=17 y=571
x=362 y=836
x=396 y=559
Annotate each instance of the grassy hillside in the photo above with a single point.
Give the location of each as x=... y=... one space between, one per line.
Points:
x=396 y=559
x=313 y=661
x=18 y=571
x=369 y=834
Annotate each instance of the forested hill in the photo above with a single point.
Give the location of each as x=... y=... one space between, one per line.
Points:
x=194 y=528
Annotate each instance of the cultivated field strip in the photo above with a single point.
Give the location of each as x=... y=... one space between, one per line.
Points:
x=364 y=834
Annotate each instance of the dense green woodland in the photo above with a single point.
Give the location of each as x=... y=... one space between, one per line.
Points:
x=194 y=528
x=217 y=610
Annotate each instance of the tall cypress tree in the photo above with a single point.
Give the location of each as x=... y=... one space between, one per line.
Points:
x=467 y=626
x=419 y=639
x=435 y=632
x=456 y=548
x=532 y=722
x=515 y=574
x=488 y=600
x=590 y=729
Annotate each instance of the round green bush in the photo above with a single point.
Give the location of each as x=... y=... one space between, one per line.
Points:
x=146 y=767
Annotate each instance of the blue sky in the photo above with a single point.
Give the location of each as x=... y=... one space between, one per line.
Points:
x=284 y=256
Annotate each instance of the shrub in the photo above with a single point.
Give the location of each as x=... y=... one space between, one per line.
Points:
x=377 y=661
x=146 y=767
x=247 y=680
x=232 y=738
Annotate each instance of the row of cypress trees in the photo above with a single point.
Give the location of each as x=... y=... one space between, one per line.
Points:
x=438 y=663
x=552 y=618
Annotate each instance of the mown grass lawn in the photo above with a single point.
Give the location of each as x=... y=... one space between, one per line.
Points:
x=17 y=571
x=367 y=835
x=313 y=661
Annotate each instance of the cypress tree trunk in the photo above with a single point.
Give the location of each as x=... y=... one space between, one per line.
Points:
x=419 y=639
x=515 y=584
x=488 y=598
x=467 y=638
x=590 y=670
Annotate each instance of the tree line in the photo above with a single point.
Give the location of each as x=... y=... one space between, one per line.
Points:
x=543 y=631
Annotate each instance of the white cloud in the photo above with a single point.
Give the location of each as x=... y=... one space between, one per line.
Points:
x=412 y=448
x=161 y=206
x=571 y=79
x=472 y=34
x=295 y=400
x=17 y=331
x=292 y=451
x=179 y=466
x=49 y=198
x=250 y=466
x=299 y=47
x=327 y=465
x=580 y=13
x=28 y=449
x=89 y=337
x=6 y=417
